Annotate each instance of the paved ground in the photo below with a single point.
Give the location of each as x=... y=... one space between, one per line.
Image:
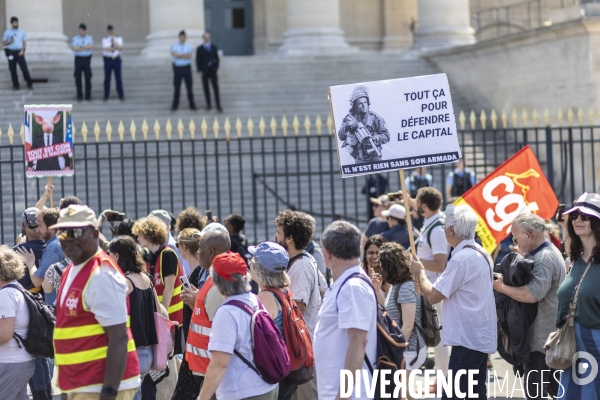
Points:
x=503 y=388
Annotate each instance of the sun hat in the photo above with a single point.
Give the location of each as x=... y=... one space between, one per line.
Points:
x=76 y=216
x=587 y=203
x=271 y=256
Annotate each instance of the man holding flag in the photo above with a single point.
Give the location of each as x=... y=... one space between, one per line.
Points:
x=516 y=198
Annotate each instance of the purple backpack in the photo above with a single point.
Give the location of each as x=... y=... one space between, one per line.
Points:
x=268 y=348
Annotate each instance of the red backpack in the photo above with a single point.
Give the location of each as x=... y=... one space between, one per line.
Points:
x=297 y=338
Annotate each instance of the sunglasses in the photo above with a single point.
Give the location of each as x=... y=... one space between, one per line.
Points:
x=576 y=214
x=73 y=233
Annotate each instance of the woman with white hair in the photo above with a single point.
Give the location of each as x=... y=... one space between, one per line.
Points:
x=468 y=308
x=227 y=375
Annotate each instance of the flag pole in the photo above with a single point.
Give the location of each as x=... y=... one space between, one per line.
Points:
x=49 y=185
x=405 y=195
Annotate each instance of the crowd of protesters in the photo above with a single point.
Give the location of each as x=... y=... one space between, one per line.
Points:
x=203 y=276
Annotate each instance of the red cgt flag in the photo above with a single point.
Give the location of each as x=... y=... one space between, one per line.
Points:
x=517 y=186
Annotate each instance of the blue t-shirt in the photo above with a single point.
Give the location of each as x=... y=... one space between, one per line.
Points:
x=181 y=48
x=376 y=227
x=398 y=234
x=53 y=253
x=38 y=247
x=82 y=41
x=19 y=35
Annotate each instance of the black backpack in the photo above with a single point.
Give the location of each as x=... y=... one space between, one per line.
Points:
x=461 y=184
x=390 y=342
x=41 y=325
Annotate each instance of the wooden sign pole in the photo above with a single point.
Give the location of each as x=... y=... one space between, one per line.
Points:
x=405 y=195
x=49 y=186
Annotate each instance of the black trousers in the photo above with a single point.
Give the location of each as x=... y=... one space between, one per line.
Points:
x=112 y=64
x=539 y=379
x=83 y=66
x=12 y=67
x=212 y=76
x=184 y=73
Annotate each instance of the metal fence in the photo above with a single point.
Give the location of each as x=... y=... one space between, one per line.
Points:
x=258 y=176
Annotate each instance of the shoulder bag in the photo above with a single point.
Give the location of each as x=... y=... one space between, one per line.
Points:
x=560 y=346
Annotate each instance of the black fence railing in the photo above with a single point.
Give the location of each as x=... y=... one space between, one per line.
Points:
x=517 y=17
x=259 y=176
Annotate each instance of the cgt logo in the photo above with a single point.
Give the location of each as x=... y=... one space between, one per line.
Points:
x=197 y=311
x=71 y=304
x=499 y=217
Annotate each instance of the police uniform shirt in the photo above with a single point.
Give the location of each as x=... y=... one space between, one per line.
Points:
x=19 y=35
x=181 y=48
x=107 y=44
x=82 y=41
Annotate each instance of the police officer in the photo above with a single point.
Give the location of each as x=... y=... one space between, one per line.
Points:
x=360 y=123
x=182 y=54
x=15 y=42
x=82 y=48
x=111 y=53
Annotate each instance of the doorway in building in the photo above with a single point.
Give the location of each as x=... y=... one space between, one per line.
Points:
x=230 y=25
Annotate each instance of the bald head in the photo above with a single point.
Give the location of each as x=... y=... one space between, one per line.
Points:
x=211 y=244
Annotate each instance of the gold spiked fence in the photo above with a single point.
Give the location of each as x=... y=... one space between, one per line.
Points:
x=228 y=128
x=219 y=128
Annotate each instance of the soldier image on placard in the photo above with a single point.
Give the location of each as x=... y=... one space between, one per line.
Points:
x=363 y=131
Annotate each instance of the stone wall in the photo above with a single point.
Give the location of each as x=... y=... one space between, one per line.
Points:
x=554 y=67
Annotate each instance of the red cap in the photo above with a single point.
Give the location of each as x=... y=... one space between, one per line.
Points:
x=229 y=263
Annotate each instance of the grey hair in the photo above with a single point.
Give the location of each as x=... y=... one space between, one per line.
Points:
x=342 y=240
x=532 y=223
x=239 y=285
x=463 y=221
x=268 y=279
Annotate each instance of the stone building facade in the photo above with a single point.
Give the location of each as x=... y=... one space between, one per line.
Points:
x=245 y=27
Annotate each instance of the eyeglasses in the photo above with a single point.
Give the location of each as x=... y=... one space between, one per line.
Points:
x=576 y=214
x=73 y=233
x=515 y=238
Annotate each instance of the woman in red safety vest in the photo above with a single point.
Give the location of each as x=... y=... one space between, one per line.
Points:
x=162 y=263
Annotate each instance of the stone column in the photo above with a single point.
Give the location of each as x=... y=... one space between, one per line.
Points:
x=313 y=28
x=443 y=24
x=167 y=19
x=43 y=23
x=400 y=18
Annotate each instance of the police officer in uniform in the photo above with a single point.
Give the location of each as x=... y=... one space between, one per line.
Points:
x=15 y=42
x=363 y=131
x=111 y=52
x=82 y=49
x=182 y=54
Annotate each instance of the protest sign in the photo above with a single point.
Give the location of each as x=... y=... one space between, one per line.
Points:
x=394 y=124
x=48 y=140
x=515 y=187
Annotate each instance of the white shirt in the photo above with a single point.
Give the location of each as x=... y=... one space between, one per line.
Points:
x=469 y=310
x=105 y=297
x=439 y=244
x=12 y=305
x=107 y=44
x=231 y=330
x=304 y=285
x=354 y=308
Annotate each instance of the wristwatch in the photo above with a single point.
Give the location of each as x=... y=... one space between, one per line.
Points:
x=109 y=391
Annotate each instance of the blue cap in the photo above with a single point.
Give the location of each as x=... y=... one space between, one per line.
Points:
x=271 y=256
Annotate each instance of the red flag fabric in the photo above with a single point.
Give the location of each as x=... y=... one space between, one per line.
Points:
x=517 y=186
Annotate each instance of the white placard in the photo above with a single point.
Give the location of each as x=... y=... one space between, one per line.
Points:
x=395 y=124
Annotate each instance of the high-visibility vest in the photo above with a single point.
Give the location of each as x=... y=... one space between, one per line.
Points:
x=176 y=305
x=80 y=344
x=196 y=351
